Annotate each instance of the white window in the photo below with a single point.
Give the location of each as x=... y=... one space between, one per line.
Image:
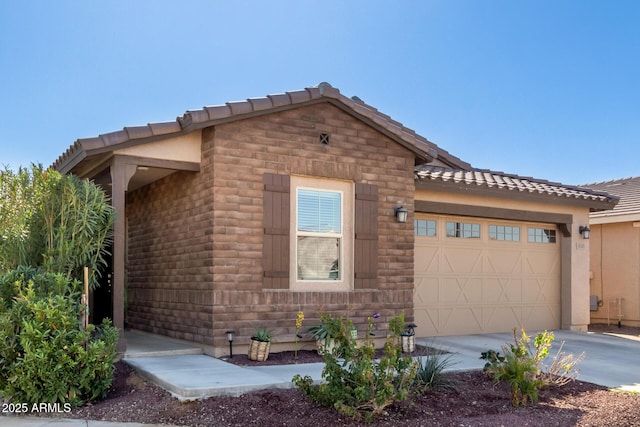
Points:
x=321 y=251
x=319 y=234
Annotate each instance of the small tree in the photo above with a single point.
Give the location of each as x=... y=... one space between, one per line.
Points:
x=56 y=222
x=51 y=227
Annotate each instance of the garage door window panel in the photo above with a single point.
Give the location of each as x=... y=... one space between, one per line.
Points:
x=541 y=235
x=504 y=232
x=463 y=230
x=424 y=227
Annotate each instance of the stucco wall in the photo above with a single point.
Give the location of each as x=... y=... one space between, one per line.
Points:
x=615 y=252
x=574 y=249
x=183 y=148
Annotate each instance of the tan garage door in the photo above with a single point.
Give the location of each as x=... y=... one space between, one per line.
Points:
x=480 y=276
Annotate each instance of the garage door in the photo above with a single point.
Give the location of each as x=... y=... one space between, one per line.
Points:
x=480 y=276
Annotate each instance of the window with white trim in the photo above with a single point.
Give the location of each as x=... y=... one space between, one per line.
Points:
x=322 y=234
x=319 y=234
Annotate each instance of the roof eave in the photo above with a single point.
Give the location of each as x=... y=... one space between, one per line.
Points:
x=592 y=202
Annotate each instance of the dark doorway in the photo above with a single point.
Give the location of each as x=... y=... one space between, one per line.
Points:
x=102 y=297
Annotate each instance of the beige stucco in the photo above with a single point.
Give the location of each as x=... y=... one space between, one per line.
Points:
x=615 y=271
x=574 y=250
x=184 y=148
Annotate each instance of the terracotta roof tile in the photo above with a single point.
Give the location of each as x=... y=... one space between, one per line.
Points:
x=628 y=189
x=113 y=138
x=164 y=128
x=510 y=182
x=300 y=96
x=198 y=115
x=240 y=107
x=89 y=143
x=280 y=99
x=211 y=115
x=136 y=132
x=260 y=103
x=217 y=112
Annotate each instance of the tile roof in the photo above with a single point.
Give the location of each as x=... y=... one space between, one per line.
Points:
x=487 y=179
x=627 y=189
x=210 y=116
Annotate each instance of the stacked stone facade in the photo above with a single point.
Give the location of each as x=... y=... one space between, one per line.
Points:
x=195 y=239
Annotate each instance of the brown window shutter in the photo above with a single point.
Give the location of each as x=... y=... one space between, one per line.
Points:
x=275 y=252
x=366 y=237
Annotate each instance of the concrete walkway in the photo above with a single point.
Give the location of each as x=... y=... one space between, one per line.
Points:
x=609 y=360
x=182 y=369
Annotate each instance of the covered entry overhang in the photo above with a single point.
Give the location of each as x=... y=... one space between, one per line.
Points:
x=125 y=161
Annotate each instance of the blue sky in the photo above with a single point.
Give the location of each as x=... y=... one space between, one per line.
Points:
x=548 y=89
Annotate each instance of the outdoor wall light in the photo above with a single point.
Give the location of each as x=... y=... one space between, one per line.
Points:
x=400 y=213
x=230 y=339
x=410 y=328
x=585 y=231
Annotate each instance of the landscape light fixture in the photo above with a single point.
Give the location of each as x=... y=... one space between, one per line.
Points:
x=230 y=339
x=585 y=231
x=410 y=328
x=400 y=213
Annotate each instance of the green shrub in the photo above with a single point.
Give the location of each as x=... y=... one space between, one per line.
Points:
x=430 y=375
x=521 y=366
x=59 y=223
x=355 y=383
x=46 y=357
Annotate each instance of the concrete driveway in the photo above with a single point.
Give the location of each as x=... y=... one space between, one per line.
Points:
x=610 y=360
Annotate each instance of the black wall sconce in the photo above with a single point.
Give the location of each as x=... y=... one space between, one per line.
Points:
x=584 y=231
x=401 y=214
x=230 y=339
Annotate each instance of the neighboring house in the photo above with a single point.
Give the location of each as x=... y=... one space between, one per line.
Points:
x=615 y=255
x=240 y=215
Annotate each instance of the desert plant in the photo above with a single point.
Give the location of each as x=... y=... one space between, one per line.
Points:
x=521 y=366
x=358 y=385
x=322 y=333
x=262 y=335
x=260 y=345
x=430 y=374
x=562 y=369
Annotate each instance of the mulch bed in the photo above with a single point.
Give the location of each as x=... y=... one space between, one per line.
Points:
x=477 y=401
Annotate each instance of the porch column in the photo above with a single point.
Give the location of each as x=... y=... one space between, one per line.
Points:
x=121 y=173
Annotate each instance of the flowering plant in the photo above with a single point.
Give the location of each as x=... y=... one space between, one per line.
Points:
x=299 y=319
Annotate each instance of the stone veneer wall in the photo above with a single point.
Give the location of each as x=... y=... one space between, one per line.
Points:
x=169 y=262
x=195 y=240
